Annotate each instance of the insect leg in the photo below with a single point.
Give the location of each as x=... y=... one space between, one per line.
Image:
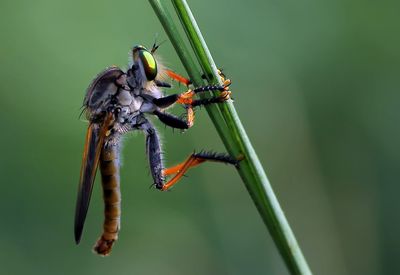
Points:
x=173 y=121
x=109 y=168
x=187 y=97
x=160 y=83
x=153 y=150
x=166 y=101
x=224 y=89
x=211 y=100
x=187 y=82
x=194 y=160
x=178 y=77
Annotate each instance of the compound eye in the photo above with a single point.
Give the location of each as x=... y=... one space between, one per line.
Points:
x=149 y=64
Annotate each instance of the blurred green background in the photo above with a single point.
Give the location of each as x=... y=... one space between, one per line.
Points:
x=315 y=84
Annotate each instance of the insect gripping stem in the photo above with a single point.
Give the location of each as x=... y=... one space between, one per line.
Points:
x=233 y=135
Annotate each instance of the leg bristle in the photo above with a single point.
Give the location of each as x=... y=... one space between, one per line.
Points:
x=214 y=156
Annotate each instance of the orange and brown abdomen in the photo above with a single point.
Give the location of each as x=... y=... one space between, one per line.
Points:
x=109 y=168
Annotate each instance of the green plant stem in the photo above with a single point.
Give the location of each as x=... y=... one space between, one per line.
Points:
x=190 y=66
x=233 y=135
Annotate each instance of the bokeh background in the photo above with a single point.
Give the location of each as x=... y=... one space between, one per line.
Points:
x=316 y=84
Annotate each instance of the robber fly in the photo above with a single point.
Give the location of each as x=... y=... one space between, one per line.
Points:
x=117 y=102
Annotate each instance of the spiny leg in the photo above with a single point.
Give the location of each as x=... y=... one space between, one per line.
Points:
x=187 y=100
x=187 y=97
x=153 y=149
x=224 y=89
x=154 y=154
x=192 y=161
x=211 y=100
x=174 y=121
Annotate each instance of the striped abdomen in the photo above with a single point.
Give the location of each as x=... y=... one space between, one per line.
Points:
x=109 y=168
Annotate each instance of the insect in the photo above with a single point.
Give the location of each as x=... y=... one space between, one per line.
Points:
x=117 y=102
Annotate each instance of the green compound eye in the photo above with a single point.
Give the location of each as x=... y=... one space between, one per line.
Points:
x=149 y=64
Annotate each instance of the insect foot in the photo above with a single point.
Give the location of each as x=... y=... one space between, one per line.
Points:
x=226 y=82
x=159 y=185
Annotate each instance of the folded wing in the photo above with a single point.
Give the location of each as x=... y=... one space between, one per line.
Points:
x=95 y=137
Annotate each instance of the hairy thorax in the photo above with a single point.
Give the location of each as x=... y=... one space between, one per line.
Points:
x=128 y=110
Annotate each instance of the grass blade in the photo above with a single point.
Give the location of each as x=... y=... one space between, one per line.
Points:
x=232 y=133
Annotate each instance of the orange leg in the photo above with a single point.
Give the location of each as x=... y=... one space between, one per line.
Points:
x=178 y=77
x=191 y=160
x=187 y=98
x=194 y=160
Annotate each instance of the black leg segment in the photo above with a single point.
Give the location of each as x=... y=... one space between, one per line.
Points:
x=153 y=150
x=171 y=120
x=218 y=157
x=211 y=88
x=162 y=84
x=166 y=101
